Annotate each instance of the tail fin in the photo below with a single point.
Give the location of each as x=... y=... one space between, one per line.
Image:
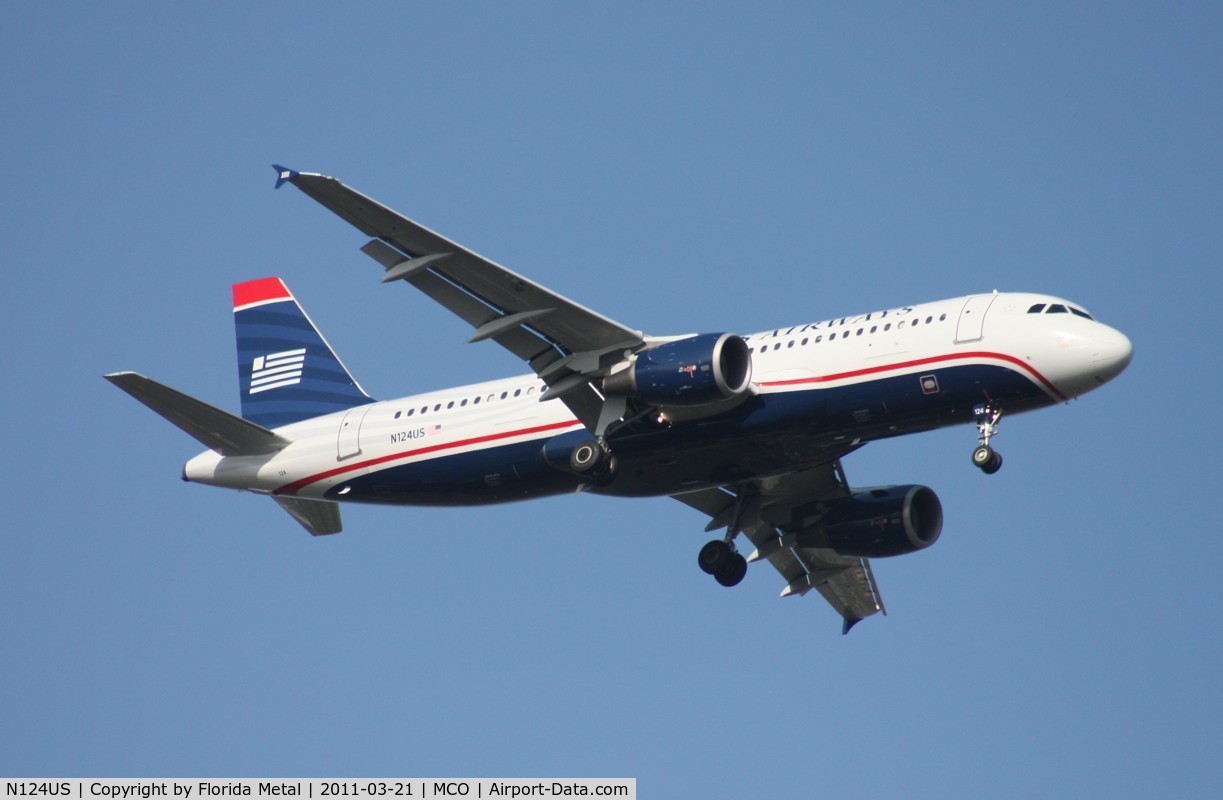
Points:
x=286 y=370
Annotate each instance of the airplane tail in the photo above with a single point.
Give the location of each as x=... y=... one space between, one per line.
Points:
x=286 y=370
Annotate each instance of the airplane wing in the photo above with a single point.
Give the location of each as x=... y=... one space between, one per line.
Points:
x=565 y=343
x=770 y=511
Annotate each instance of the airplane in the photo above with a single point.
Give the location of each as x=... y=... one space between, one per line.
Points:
x=749 y=430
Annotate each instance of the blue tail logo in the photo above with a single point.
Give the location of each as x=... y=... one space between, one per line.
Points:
x=286 y=370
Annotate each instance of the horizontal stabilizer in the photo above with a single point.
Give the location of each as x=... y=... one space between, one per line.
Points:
x=319 y=517
x=218 y=430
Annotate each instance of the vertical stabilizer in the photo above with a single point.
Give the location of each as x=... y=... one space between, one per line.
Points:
x=286 y=370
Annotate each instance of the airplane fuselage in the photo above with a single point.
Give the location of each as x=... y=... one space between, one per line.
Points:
x=820 y=390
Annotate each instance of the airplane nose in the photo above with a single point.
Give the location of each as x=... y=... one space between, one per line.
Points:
x=1111 y=354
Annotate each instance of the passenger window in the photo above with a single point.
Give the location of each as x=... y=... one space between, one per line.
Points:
x=874 y=328
x=397 y=413
x=464 y=403
x=831 y=336
x=1056 y=308
x=517 y=392
x=504 y=395
x=411 y=411
x=791 y=344
x=450 y=404
x=1036 y=309
x=804 y=342
x=531 y=390
x=942 y=317
x=929 y=320
x=819 y=338
x=437 y=407
x=859 y=332
x=887 y=327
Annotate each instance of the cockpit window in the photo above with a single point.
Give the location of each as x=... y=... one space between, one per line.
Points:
x=1036 y=309
x=1080 y=312
x=1057 y=308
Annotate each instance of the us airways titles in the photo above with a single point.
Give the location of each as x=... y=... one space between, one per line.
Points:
x=837 y=323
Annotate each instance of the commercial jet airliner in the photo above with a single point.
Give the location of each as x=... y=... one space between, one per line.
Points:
x=749 y=430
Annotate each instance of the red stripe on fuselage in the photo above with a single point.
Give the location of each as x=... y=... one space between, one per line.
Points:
x=857 y=373
x=296 y=486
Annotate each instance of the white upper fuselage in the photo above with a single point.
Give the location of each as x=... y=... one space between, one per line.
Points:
x=1060 y=354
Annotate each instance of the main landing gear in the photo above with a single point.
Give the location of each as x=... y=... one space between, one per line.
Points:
x=592 y=458
x=985 y=457
x=719 y=559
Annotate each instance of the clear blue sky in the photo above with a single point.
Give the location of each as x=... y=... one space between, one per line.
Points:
x=679 y=168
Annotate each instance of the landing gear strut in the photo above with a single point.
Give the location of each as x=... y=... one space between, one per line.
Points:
x=985 y=457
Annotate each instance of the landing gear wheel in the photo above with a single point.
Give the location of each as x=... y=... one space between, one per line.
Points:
x=715 y=556
x=592 y=459
x=586 y=456
x=733 y=572
x=986 y=459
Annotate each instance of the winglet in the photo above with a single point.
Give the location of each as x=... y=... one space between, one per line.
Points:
x=284 y=175
x=848 y=624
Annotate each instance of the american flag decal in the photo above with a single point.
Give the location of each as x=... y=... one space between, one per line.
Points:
x=277 y=369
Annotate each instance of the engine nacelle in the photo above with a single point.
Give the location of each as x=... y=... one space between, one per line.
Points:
x=699 y=369
x=879 y=522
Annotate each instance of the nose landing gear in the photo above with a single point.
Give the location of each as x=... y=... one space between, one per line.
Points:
x=985 y=457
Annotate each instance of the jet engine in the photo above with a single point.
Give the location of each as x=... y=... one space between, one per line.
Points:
x=879 y=522
x=701 y=369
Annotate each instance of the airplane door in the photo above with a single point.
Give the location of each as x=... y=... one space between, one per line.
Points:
x=348 y=444
x=972 y=318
